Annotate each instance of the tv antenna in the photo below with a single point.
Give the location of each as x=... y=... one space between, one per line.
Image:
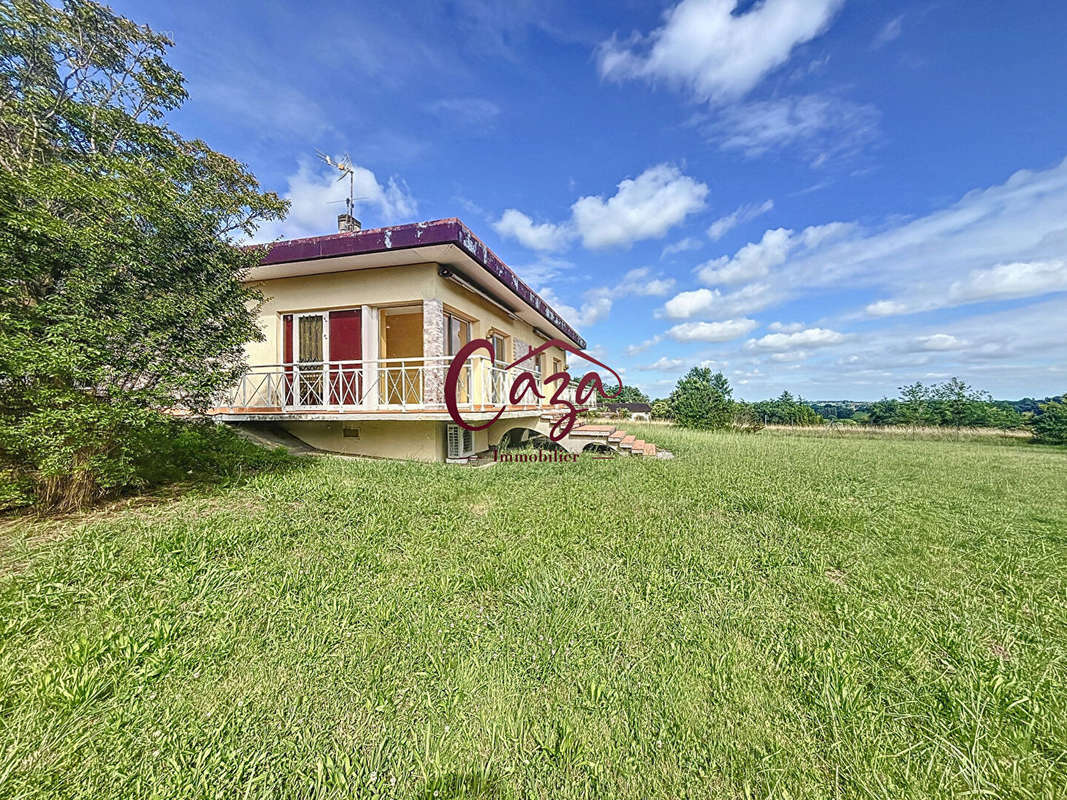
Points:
x=344 y=166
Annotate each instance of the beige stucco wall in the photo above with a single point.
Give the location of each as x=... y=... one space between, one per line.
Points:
x=487 y=317
x=387 y=286
x=415 y=440
x=374 y=287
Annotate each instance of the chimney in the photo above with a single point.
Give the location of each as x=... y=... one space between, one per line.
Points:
x=346 y=223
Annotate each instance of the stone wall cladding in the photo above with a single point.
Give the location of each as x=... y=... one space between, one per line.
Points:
x=433 y=346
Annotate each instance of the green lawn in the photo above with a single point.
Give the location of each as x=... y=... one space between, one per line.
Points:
x=768 y=615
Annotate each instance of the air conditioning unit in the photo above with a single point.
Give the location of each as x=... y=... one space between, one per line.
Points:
x=460 y=442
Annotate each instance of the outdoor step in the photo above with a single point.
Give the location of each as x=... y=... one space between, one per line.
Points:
x=637 y=448
x=650 y=449
x=597 y=431
x=617 y=437
x=628 y=442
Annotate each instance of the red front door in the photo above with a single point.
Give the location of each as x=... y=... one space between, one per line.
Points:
x=346 y=347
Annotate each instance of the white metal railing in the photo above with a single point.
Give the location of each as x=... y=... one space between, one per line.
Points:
x=389 y=384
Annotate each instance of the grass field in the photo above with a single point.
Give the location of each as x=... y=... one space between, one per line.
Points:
x=768 y=615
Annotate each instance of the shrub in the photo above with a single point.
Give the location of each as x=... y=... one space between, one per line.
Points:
x=162 y=450
x=1050 y=426
x=747 y=420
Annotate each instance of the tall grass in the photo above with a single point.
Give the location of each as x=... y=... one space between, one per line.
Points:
x=772 y=615
x=931 y=433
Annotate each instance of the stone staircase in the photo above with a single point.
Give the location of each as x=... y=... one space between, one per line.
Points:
x=609 y=436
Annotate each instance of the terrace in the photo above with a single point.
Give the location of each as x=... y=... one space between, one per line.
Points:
x=384 y=388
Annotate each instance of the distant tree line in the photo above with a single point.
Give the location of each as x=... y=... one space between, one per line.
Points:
x=703 y=399
x=950 y=404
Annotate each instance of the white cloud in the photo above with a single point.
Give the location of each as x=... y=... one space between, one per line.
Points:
x=789 y=356
x=752 y=261
x=939 y=341
x=664 y=364
x=822 y=126
x=634 y=349
x=711 y=331
x=811 y=337
x=638 y=281
x=713 y=303
x=999 y=243
x=691 y=304
x=465 y=112
x=717 y=54
x=886 y=308
x=313 y=194
x=593 y=309
x=889 y=32
x=682 y=246
x=1011 y=281
x=786 y=327
x=543 y=270
x=815 y=235
x=644 y=207
x=597 y=303
x=1007 y=352
x=713 y=52
x=739 y=216
x=544 y=236
x=1007 y=281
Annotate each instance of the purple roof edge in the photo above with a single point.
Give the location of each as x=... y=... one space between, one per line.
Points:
x=417 y=234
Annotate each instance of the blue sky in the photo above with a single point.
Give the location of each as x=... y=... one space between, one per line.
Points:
x=834 y=197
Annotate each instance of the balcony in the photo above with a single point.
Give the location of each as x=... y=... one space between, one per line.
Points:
x=381 y=388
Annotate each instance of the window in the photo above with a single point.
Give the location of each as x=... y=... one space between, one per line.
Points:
x=500 y=349
x=457 y=333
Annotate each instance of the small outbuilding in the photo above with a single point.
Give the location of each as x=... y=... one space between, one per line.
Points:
x=637 y=411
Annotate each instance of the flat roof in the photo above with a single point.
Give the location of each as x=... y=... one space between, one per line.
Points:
x=414 y=235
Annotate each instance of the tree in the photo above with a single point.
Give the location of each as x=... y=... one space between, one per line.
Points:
x=1002 y=415
x=786 y=410
x=961 y=405
x=703 y=400
x=915 y=405
x=630 y=394
x=882 y=412
x=1050 y=426
x=661 y=409
x=120 y=290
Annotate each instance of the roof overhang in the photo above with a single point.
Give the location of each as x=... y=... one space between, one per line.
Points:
x=447 y=242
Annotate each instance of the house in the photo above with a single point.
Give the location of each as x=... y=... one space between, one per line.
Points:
x=360 y=327
x=636 y=411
